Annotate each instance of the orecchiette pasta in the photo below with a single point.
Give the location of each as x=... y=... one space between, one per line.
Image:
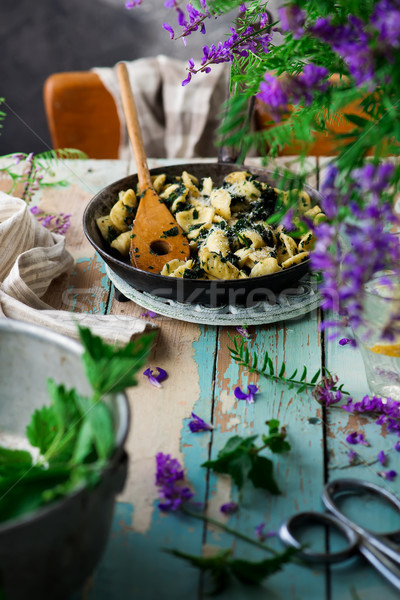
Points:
x=227 y=226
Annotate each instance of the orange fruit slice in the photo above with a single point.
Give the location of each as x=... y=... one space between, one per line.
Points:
x=387 y=349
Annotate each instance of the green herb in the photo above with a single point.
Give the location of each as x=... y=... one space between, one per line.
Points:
x=171 y=232
x=241 y=459
x=74 y=434
x=241 y=354
x=222 y=567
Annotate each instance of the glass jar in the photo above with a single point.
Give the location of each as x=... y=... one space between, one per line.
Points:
x=378 y=337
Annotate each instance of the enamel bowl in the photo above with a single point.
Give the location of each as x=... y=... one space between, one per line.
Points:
x=49 y=553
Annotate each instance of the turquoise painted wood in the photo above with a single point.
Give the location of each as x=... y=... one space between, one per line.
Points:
x=135 y=565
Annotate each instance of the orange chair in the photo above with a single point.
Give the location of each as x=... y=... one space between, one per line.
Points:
x=81 y=114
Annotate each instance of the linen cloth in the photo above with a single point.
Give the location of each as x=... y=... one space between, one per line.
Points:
x=176 y=121
x=30 y=258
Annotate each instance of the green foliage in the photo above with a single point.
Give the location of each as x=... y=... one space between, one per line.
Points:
x=222 y=567
x=111 y=369
x=265 y=367
x=240 y=458
x=74 y=434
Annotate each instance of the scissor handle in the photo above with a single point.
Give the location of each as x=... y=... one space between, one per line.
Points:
x=287 y=535
x=381 y=541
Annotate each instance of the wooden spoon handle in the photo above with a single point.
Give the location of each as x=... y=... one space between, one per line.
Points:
x=133 y=126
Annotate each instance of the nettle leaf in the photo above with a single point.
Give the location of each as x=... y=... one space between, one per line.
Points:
x=217 y=566
x=111 y=369
x=19 y=495
x=255 y=572
x=97 y=428
x=68 y=419
x=262 y=475
x=84 y=443
x=276 y=440
x=15 y=458
x=42 y=428
x=234 y=459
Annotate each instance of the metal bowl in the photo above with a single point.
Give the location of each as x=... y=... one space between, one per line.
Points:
x=49 y=553
x=197 y=291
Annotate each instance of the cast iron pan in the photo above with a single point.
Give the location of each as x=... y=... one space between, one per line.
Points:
x=242 y=292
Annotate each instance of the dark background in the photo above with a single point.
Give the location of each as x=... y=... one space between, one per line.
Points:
x=40 y=37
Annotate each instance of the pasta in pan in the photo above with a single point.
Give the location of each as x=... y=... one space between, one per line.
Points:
x=226 y=226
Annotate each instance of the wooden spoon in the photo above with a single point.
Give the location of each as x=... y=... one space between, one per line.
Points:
x=156 y=236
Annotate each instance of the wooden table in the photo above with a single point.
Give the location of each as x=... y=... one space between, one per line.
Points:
x=202 y=378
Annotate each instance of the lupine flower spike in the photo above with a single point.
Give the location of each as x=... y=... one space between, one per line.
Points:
x=170 y=482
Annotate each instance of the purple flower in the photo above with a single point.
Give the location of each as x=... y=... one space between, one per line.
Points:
x=132 y=3
x=229 y=508
x=243 y=332
x=388 y=411
x=156 y=380
x=292 y=19
x=197 y=424
x=277 y=93
x=149 y=314
x=249 y=397
x=356 y=438
x=386 y=20
x=345 y=341
x=382 y=457
x=350 y=42
x=397 y=446
x=344 y=275
x=169 y=29
x=325 y=393
x=287 y=220
x=169 y=480
x=261 y=534
x=388 y=475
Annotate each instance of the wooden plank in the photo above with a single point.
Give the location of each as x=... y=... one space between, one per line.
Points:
x=298 y=473
x=356 y=577
x=160 y=423
x=86 y=288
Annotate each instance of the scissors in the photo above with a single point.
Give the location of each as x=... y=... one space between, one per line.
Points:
x=379 y=549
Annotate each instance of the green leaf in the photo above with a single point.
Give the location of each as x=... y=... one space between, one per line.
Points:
x=111 y=369
x=234 y=459
x=42 y=428
x=273 y=425
x=304 y=374
x=24 y=493
x=255 y=572
x=282 y=370
x=98 y=422
x=262 y=476
x=15 y=458
x=315 y=378
x=83 y=444
x=357 y=120
x=217 y=566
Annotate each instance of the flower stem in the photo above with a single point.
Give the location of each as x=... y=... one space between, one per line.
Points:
x=233 y=532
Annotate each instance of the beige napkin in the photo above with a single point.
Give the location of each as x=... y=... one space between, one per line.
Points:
x=176 y=121
x=30 y=258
